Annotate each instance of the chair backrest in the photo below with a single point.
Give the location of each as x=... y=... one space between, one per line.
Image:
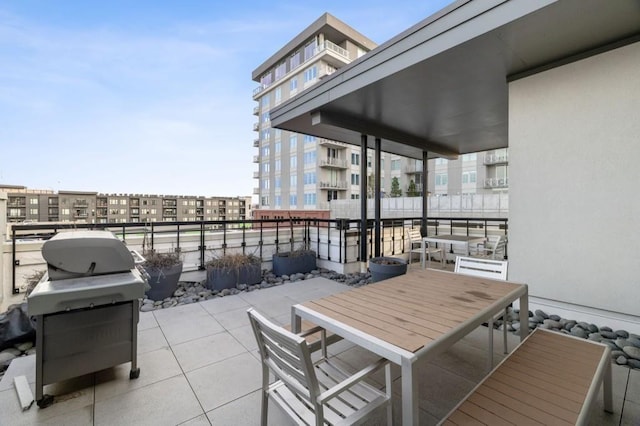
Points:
x=288 y=357
x=486 y=268
x=414 y=235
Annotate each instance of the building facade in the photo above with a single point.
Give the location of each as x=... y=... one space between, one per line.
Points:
x=301 y=174
x=32 y=205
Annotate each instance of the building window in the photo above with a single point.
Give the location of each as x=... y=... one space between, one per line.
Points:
x=264 y=200
x=469 y=157
x=469 y=177
x=278 y=95
x=310 y=178
x=278 y=165
x=441 y=179
x=277 y=182
x=278 y=200
x=33 y=201
x=441 y=161
x=293 y=142
x=33 y=211
x=293 y=85
x=310 y=74
x=280 y=71
x=355 y=179
x=265 y=134
x=265 y=117
x=355 y=159
x=309 y=139
x=294 y=61
x=293 y=181
x=265 y=151
x=265 y=183
x=265 y=167
x=293 y=163
x=310 y=199
x=265 y=80
x=309 y=158
x=355 y=196
x=293 y=200
x=277 y=147
x=310 y=49
x=395 y=164
x=265 y=101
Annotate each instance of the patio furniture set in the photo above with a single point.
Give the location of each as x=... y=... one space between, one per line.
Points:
x=412 y=318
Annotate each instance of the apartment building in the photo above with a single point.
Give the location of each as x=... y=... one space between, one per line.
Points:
x=300 y=174
x=32 y=205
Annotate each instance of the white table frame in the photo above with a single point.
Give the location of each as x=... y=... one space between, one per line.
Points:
x=404 y=358
x=462 y=240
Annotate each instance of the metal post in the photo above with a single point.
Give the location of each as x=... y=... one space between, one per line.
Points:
x=363 y=198
x=378 y=190
x=425 y=193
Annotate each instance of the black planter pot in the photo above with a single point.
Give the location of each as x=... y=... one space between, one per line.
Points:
x=286 y=264
x=163 y=281
x=222 y=278
x=383 y=268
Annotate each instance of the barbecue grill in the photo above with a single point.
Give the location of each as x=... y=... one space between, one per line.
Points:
x=85 y=308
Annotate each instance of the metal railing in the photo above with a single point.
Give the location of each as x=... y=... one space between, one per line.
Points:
x=335 y=240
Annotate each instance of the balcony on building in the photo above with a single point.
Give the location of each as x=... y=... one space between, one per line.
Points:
x=100 y=202
x=169 y=203
x=256 y=175
x=80 y=203
x=169 y=212
x=333 y=163
x=17 y=202
x=256 y=158
x=496 y=183
x=492 y=158
x=256 y=110
x=256 y=143
x=256 y=126
x=134 y=202
x=256 y=191
x=331 y=144
x=333 y=185
x=80 y=214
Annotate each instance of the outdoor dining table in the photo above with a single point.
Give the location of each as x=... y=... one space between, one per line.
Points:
x=412 y=317
x=462 y=240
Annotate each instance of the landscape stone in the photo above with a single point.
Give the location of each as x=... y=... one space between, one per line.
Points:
x=622 y=333
x=6 y=357
x=593 y=328
x=24 y=346
x=634 y=341
x=621 y=360
x=608 y=334
x=605 y=328
x=579 y=332
x=634 y=363
x=541 y=314
x=583 y=325
x=555 y=317
x=621 y=343
x=552 y=323
x=569 y=325
x=632 y=351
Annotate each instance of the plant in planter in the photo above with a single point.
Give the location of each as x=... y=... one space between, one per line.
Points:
x=382 y=268
x=162 y=272
x=302 y=260
x=229 y=270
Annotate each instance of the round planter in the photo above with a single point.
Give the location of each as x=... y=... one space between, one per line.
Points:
x=286 y=264
x=163 y=281
x=383 y=268
x=222 y=278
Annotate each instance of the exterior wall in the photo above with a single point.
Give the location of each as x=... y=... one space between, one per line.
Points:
x=3 y=238
x=573 y=223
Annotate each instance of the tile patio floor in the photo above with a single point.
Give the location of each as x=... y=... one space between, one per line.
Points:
x=200 y=366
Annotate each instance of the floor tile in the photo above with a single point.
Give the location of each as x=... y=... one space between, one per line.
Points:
x=147 y=320
x=168 y=402
x=245 y=336
x=245 y=411
x=201 y=420
x=631 y=414
x=190 y=326
x=150 y=340
x=21 y=366
x=633 y=389
x=154 y=367
x=225 y=381
x=224 y=304
x=233 y=319
x=207 y=350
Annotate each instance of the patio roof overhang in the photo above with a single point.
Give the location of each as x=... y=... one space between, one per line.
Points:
x=442 y=85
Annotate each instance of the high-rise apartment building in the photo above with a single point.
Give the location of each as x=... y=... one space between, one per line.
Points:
x=301 y=174
x=33 y=205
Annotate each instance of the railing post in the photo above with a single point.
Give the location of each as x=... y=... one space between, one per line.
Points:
x=202 y=245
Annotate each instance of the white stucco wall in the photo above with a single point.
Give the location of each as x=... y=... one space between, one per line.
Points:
x=574 y=183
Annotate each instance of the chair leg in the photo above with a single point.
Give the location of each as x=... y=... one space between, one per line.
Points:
x=387 y=379
x=265 y=397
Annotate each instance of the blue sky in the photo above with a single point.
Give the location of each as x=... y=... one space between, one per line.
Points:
x=150 y=96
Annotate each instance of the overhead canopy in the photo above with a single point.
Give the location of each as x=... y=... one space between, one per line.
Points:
x=441 y=85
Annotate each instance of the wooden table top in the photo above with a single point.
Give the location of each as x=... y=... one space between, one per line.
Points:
x=453 y=238
x=412 y=310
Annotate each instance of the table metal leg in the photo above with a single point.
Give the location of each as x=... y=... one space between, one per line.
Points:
x=296 y=321
x=409 y=394
x=524 y=316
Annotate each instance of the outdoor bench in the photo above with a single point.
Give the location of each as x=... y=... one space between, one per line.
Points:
x=550 y=378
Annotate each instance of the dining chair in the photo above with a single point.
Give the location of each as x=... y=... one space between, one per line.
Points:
x=415 y=246
x=314 y=393
x=487 y=268
x=493 y=248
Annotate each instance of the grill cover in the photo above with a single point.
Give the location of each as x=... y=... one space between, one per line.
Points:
x=84 y=253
